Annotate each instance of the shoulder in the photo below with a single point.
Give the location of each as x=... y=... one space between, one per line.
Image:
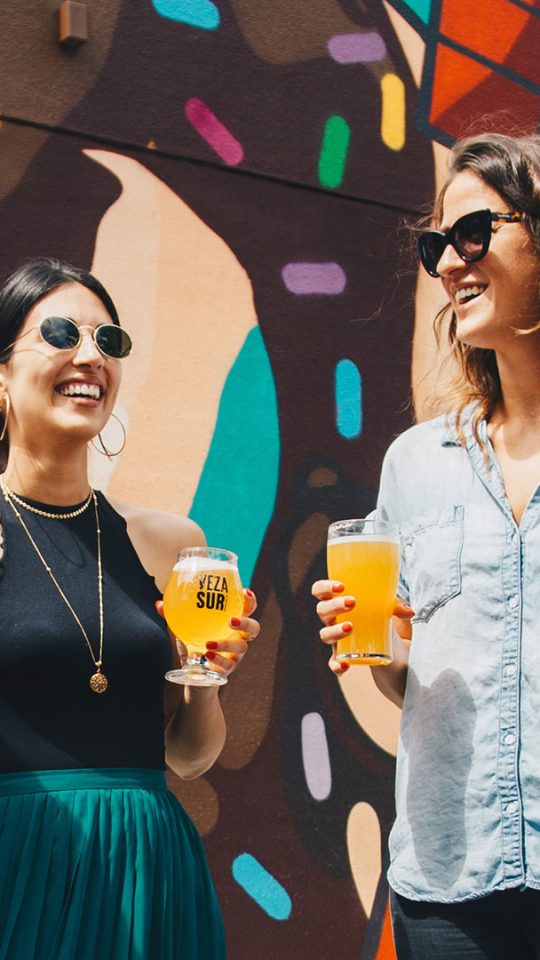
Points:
x=423 y=463
x=158 y=536
x=426 y=436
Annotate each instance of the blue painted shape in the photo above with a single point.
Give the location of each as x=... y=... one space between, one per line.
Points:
x=348 y=388
x=422 y=8
x=198 y=13
x=262 y=887
x=235 y=497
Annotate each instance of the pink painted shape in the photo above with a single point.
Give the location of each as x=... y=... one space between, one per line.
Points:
x=328 y=279
x=214 y=132
x=357 y=47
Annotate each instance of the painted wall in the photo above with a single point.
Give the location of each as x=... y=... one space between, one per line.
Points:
x=239 y=173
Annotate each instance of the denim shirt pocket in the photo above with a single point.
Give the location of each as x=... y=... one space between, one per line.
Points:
x=431 y=546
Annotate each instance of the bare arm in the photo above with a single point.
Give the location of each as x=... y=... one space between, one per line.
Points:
x=194 y=722
x=392 y=679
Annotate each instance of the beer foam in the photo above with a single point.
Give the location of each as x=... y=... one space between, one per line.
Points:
x=204 y=563
x=364 y=538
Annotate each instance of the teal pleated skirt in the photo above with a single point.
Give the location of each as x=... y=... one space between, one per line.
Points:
x=102 y=865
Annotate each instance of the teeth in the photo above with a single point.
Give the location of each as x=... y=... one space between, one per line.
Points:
x=91 y=390
x=467 y=292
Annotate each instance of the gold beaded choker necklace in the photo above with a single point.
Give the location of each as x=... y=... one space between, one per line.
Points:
x=44 y=513
x=98 y=680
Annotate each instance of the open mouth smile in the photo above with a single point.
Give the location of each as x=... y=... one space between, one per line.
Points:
x=87 y=391
x=466 y=294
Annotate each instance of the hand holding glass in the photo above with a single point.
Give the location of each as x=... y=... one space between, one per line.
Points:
x=203 y=592
x=364 y=556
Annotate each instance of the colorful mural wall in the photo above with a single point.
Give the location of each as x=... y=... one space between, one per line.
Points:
x=239 y=174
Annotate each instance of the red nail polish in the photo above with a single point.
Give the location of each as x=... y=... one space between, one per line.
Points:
x=211 y=645
x=235 y=622
x=250 y=593
x=344 y=666
x=157 y=603
x=210 y=655
x=348 y=603
x=346 y=628
x=337 y=588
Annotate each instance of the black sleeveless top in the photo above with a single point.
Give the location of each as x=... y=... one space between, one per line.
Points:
x=49 y=717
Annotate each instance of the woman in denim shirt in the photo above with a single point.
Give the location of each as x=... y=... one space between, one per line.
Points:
x=463 y=489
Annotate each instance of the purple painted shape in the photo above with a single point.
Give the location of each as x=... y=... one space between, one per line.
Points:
x=328 y=279
x=357 y=47
x=214 y=132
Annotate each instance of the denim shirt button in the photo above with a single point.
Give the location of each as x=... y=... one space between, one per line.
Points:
x=511 y=670
x=513 y=602
x=512 y=807
x=510 y=738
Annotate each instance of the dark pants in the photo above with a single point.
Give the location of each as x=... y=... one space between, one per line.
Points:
x=502 y=926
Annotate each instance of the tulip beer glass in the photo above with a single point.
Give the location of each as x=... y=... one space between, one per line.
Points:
x=202 y=593
x=364 y=556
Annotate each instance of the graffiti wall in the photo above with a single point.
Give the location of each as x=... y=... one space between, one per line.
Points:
x=240 y=174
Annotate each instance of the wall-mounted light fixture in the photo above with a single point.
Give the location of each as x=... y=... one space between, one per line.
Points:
x=72 y=23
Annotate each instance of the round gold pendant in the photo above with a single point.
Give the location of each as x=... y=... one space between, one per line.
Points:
x=98 y=682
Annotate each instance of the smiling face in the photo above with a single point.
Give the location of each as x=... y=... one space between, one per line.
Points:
x=60 y=395
x=499 y=293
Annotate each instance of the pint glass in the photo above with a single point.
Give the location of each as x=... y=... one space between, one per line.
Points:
x=364 y=556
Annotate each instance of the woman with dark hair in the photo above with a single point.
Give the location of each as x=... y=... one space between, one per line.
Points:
x=97 y=858
x=464 y=490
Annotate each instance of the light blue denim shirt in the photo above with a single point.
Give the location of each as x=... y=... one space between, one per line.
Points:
x=468 y=770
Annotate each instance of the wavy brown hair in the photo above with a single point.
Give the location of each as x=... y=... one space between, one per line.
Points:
x=511 y=166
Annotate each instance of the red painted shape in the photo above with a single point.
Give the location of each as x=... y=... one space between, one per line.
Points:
x=455 y=76
x=489 y=27
x=510 y=106
x=496 y=29
x=216 y=134
x=386 y=950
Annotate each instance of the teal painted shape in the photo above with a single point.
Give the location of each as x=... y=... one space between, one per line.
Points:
x=422 y=8
x=198 y=13
x=237 y=489
x=262 y=887
x=348 y=388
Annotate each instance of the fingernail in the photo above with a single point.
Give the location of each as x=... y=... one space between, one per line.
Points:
x=210 y=655
x=235 y=622
x=337 y=588
x=157 y=604
x=250 y=593
x=211 y=645
x=346 y=628
x=344 y=666
x=349 y=602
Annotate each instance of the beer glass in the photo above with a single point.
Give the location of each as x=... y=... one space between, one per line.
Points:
x=202 y=593
x=364 y=556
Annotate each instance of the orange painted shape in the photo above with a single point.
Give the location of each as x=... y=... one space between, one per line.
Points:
x=386 y=949
x=455 y=76
x=488 y=27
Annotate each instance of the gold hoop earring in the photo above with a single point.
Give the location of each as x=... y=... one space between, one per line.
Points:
x=104 y=451
x=6 y=416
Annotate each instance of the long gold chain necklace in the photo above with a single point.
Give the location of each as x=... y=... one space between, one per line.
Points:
x=98 y=681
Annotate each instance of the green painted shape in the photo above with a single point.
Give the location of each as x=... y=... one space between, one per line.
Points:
x=235 y=498
x=422 y=8
x=334 y=150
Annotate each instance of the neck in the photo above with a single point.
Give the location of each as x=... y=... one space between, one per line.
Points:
x=519 y=377
x=48 y=479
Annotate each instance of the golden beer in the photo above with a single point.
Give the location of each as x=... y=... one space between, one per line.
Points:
x=199 y=599
x=202 y=594
x=364 y=556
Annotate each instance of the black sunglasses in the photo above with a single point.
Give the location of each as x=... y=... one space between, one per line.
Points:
x=469 y=236
x=64 y=334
